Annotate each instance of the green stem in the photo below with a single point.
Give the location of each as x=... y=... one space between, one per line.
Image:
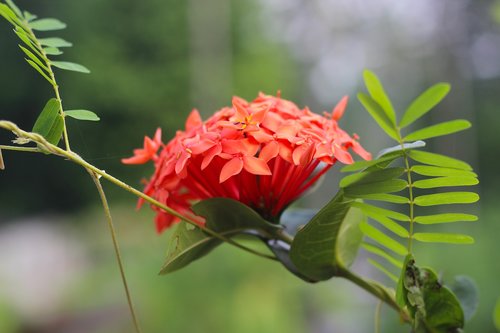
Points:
x=24 y=149
x=107 y=212
x=378 y=309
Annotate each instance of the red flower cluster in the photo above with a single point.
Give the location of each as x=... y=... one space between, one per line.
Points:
x=265 y=154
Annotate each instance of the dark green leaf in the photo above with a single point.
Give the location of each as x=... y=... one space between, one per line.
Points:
x=401 y=292
x=445 y=218
x=383 y=239
x=398 y=199
x=34 y=58
x=383 y=270
x=39 y=70
x=441 y=129
x=70 y=66
x=82 y=115
x=360 y=165
x=388 y=186
x=295 y=219
x=371 y=176
x=400 y=148
x=376 y=111
x=465 y=289
x=50 y=124
x=52 y=51
x=377 y=92
x=424 y=103
x=381 y=253
x=446 y=198
x=443 y=238
x=445 y=181
x=54 y=42
x=47 y=24
x=434 y=171
x=317 y=249
x=438 y=160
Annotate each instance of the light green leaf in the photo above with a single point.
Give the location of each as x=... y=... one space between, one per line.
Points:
x=438 y=160
x=388 y=186
x=34 y=58
x=434 y=171
x=445 y=181
x=382 y=239
x=377 y=113
x=371 y=176
x=8 y=14
x=398 y=199
x=54 y=42
x=424 y=103
x=443 y=238
x=49 y=123
x=383 y=270
x=52 y=51
x=377 y=92
x=381 y=253
x=370 y=209
x=390 y=225
x=47 y=24
x=400 y=148
x=28 y=16
x=496 y=315
x=39 y=70
x=360 y=165
x=446 y=198
x=14 y=8
x=25 y=38
x=70 y=66
x=82 y=115
x=445 y=218
x=440 y=129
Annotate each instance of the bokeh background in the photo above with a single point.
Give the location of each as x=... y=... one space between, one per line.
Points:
x=153 y=61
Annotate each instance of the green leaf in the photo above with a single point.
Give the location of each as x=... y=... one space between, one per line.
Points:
x=47 y=24
x=400 y=148
x=186 y=244
x=25 y=38
x=295 y=219
x=28 y=16
x=70 y=66
x=2 y=165
x=390 y=225
x=398 y=199
x=445 y=218
x=381 y=253
x=438 y=160
x=34 y=58
x=434 y=171
x=50 y=123
x=52 y=51
x=383 y=270
x=14 y=8
x=8 y=14
x=377 y=92
x=401 y=292
x=424 y=103
x=54 y=42
x=377 y=113
x=465 y=289
x=39 y=70
x=360 y=165
x=446 y=198
x=443 y=238
x=388 y=186
x=496 y=315
x=326 y=243
x=445 y=181
x=382 y=239
x=370 y=209
x=371 y=176
x=82 y=115
x=440 y=129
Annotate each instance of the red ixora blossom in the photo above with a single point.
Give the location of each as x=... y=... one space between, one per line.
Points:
x=265 y=154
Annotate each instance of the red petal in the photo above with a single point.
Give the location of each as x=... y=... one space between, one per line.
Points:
x=342 y=155
x=157 y=137
x=303 y=154
x=256 y=166
x=181 y=162
x=193 y=120
x=231 y=168
x=210 y=154
x=269 y=151
x=137 y=159
x=358 y=149
x=338 y=111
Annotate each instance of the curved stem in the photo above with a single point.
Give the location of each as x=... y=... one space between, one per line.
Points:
x=107 y=212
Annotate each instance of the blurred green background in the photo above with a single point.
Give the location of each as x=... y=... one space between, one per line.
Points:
x=152 y=62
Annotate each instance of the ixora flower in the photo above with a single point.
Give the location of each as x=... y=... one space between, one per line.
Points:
x=265 y=154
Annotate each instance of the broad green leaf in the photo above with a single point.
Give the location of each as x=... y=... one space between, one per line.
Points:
x=424 y=103
x=445 y=218
x=360 y=165
x=496 y=315
x=47 y=24
x=317 y=250
x=440 y=129
x=381 y=253
x=434 y=171
x=388 y=186
x=438 y=160
x=186 y=244
x=446 y=181
x=54 y=42
x=383 y=239
x=400 y=148
x=392 y=198
x=443 y=238
x=52 y=51
x=70 y=66
x=383 y=270
x=39 y=70
x=446 y=198
x=376 y=111
x=34 y=58
x=82 y=115
x=377 y=92
x=371 y=176
x=466 y=290
x=2 y=165
x=50 y=124
x=370 y=209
